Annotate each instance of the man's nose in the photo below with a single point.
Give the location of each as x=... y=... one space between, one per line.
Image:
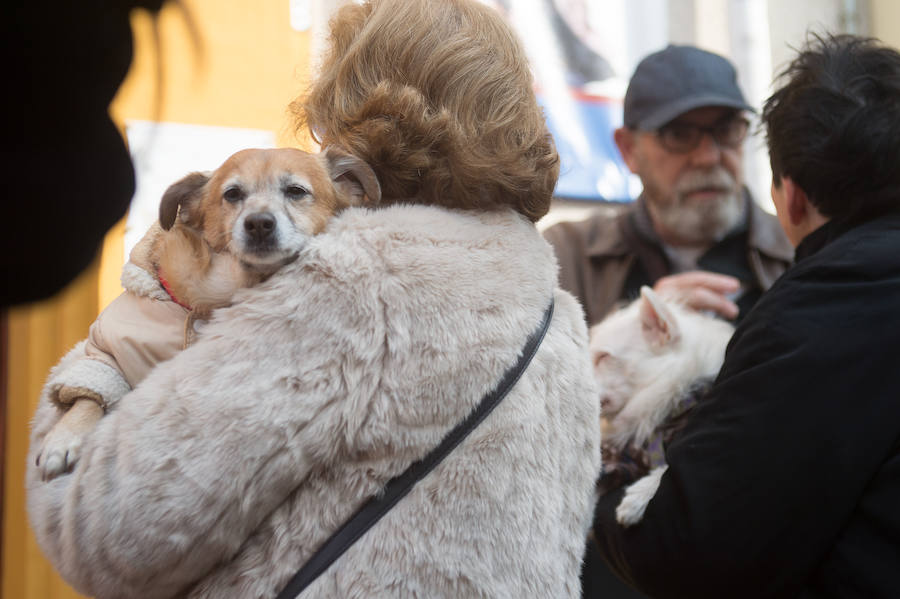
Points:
x=708 y=152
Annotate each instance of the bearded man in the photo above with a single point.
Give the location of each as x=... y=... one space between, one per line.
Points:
x=694 y=232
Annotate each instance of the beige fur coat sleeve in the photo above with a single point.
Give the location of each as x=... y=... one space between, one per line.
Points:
x=222 y=472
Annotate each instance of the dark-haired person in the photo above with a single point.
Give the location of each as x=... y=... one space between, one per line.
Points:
x=786 y=480
x=229 y=465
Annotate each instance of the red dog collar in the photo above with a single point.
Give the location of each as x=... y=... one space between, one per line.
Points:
x=165 y=284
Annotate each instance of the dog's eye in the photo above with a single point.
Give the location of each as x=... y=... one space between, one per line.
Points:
x=233 y=194
x=296 y=192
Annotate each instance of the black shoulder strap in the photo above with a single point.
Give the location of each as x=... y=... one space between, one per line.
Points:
x=399 y=486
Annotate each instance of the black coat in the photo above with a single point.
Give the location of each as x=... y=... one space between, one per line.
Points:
x=786 y=481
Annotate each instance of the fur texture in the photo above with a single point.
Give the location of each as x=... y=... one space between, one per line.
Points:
x=87 y=378
x=141 y=282
x=222 y=472
x=647 y=358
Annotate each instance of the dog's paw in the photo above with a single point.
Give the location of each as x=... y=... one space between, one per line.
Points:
x=631 y=509
x=61 y=449
x=62 y=445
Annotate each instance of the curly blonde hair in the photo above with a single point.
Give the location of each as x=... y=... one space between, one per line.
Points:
x=437 y=96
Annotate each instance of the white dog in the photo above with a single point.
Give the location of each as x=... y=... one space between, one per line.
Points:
x=650 y=360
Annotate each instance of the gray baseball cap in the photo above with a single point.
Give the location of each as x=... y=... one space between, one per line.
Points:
x=676 y=80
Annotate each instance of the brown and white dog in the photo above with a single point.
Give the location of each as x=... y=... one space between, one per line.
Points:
x=217 y=232
x=236 y=226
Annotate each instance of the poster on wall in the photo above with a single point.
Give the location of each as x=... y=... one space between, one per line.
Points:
x=582 y=53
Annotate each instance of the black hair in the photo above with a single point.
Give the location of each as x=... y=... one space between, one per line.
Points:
x=834 y=126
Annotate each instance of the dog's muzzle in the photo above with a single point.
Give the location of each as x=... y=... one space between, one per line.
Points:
x=264 y=250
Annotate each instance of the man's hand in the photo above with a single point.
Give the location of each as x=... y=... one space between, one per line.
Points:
x=703 y=291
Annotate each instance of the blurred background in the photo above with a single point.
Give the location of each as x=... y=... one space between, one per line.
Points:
x=197 y=93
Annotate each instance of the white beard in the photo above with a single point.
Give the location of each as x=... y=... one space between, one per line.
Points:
x=700 y=222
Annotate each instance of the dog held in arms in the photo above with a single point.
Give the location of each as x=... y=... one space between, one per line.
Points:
x=217 y=232
x=652 y=360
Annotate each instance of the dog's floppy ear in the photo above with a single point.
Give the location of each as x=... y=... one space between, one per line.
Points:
x=181 y=195
x=352 y=177
x=657 y=322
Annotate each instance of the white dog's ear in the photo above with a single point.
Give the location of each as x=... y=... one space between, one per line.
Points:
x=658 y=324
x=180 y=197
x=353 y=178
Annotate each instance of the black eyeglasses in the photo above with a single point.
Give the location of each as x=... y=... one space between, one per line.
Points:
x=680 y=137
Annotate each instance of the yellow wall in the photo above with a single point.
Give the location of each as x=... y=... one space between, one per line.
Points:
x=249 y=64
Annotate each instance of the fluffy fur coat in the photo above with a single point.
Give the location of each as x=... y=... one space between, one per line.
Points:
x=228 y=465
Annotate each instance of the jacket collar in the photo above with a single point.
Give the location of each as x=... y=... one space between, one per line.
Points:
x=833 y=229
x=611 y=241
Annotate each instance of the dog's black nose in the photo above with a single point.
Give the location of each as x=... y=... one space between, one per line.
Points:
x=260 y=225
